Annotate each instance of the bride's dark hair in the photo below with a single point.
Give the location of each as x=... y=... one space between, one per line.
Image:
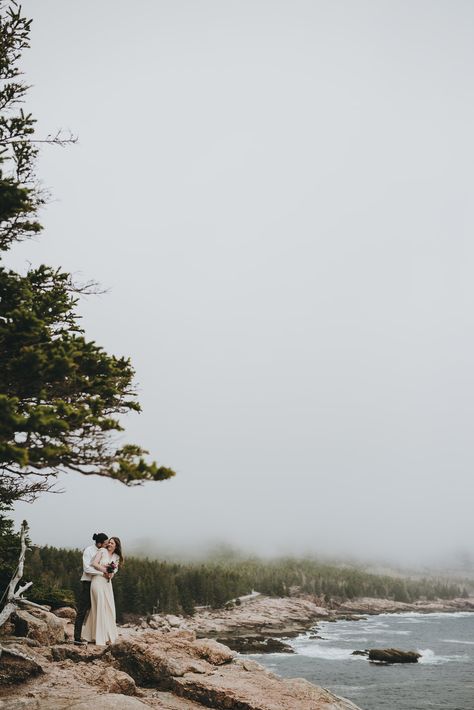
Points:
x=118 y=549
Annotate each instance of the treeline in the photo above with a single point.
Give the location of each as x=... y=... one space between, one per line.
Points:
x=146 y=586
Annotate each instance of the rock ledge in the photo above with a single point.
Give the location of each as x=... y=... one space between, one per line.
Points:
x=170 y=671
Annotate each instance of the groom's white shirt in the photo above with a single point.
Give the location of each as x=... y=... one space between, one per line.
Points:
x=87 y=557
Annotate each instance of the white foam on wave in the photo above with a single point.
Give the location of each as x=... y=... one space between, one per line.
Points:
x=339 y=632
x=429 y=615
x=343 y=689
x=413 y=619
x=470 y=643
x=311 y=649
x=429 y=657
x=329 y=654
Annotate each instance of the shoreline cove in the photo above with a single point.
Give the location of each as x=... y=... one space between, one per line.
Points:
x=442 y=675
x=288 y=616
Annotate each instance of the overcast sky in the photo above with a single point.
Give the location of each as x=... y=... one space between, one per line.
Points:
x=279 y=198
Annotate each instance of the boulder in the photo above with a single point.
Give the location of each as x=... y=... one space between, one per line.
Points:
x=393 y=655
x=43 y=626
x=155 y=658
x=153 y=624
x=248 y=665
x=233 y=687
x=212 y=651
x=66 y=612
x=207 y=673
x=16 y=666
x=173 y=621
x=155 y=664
x=108 y=680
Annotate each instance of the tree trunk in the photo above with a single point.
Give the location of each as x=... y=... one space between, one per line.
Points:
x=14 y=595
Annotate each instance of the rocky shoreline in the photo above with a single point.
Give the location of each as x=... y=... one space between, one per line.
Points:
x=260 y=617
x=176 y=663
x=171 y=670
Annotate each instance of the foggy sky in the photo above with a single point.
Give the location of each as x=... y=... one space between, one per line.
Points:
x=278 y=196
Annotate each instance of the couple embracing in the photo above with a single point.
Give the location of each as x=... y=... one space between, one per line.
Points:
x=95 y=620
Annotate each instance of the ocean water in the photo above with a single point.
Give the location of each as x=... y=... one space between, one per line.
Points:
x=442 y=678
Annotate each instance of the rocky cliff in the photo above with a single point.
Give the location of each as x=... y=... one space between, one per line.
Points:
x=168 y=669
x=169 y=662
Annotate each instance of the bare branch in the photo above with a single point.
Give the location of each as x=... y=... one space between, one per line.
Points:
x=21 y=563
x=57 y=139
x=20 y=591
x=13 y=594
x=27 y=602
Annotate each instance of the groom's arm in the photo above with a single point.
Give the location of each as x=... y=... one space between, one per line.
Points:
x=87 y=558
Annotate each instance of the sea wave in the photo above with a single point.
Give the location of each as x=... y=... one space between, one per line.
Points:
x=328 y=653
x=363 y=632
x=390 y=632
x=429 y=614
x=429 y=657
x=342 y=689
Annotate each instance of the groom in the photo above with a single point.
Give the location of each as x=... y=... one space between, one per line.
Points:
x=84 y=604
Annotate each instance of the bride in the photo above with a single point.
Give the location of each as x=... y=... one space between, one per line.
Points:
x=100 y=626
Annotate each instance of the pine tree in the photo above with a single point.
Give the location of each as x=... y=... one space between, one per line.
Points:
x=9 y=545
x=60 y=395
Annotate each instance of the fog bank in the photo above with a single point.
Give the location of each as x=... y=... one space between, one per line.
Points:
x=278 y=197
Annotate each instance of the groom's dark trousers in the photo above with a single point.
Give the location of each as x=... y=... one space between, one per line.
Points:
x=83 y=607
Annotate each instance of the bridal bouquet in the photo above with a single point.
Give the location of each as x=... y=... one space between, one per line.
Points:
x=110 y=568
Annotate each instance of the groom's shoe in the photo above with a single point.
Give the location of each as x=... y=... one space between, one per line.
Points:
x=80 y=642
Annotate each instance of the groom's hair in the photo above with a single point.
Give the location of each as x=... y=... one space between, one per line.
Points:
x=100 y=537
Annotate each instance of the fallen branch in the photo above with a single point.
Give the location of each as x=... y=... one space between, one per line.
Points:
x=26 y=602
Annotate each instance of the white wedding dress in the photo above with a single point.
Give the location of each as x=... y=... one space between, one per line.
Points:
x=100 y=626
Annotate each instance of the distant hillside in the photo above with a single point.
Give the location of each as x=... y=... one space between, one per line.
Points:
x=146 y=586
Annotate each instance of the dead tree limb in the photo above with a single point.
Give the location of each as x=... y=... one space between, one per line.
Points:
x=14 y=599
x=14 y=595
x=6 y=612
x=33 y=605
